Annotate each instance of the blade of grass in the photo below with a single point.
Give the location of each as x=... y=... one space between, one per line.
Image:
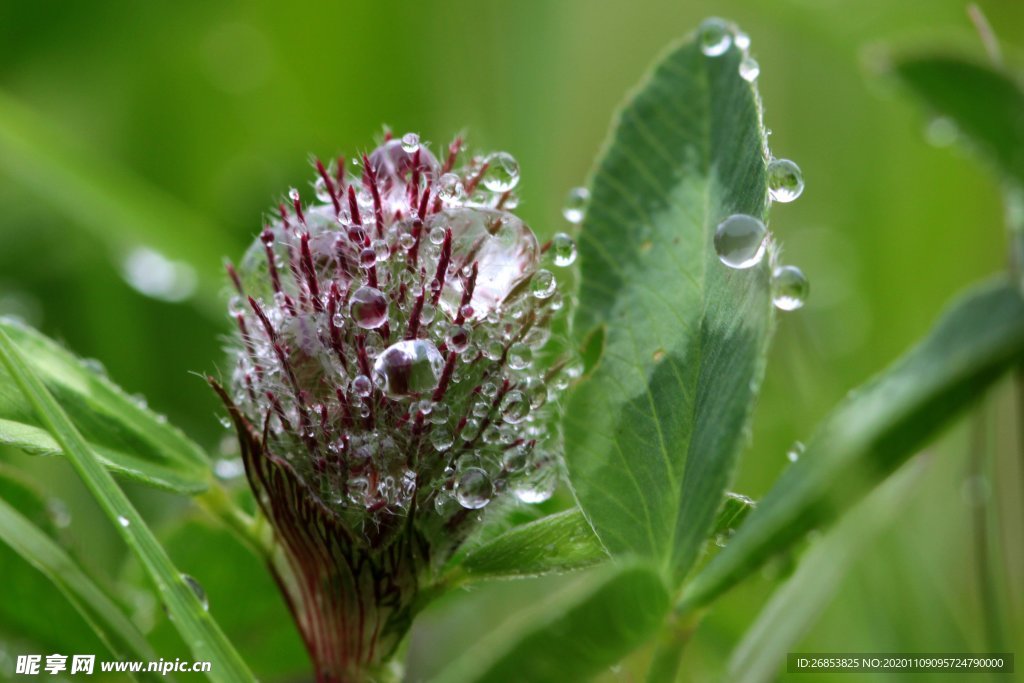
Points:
x=104 y=617
x=795 y=605
x=875 y=430
x=197 y=628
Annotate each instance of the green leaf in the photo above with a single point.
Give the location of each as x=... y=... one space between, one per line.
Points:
x=576 y=634
x=117 y=207
x=876 y=429
x=198 y=629
x=653 y=432
x=556 y=543
x=796 y=605
x=128 y=438
x=986 y=103
x=735 y=509
x=32 y=543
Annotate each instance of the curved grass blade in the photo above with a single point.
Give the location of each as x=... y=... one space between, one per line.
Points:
x=653 y=432
x=794 y=606
x=197 y=628
x=128 y=438
x=578 y=633
x=875 y=430
x=99 y=611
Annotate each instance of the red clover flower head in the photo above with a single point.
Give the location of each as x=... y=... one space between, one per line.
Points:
x=392 y=375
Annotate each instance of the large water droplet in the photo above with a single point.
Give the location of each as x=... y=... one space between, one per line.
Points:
x=714 y=36
x=197 y=590
x=503 y=247
x=457 y=338
x=474 y=489
x=740 y=241
x=369 y=308
x=563 y=250
x=576 y=205
x=519 y=356
x=502 y=172
x=514 y=407
x=409 y=367
x=362 y=386
x=789 y=288
x=392 y=161
x=785 y=182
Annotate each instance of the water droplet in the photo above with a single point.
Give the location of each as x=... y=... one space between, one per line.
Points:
x=362 y=386
x=504 y=249
x=440 y=413
x=543 y=284
x=514 y=407
x=123 y=521
x=406 y=241
x=515 y=458
x=470 y=430
x=369 y=308
x=442 y=439
x=715 y=37
x=59 y=513
x=437 y=235
x=941 y=132
x=367 y=258
x=197 y=590
x=409 y=367
x=95 y=366
x=795 y=451
x=151 y=273
x=785 y=182
x=293 y=194
x=563 y=250
x=789 y=288
x=502 y=172
x=538 y=487
x=749 y=69
x=450 y=188
x=474 y=489
x=410 y=142
x=458 y=338
x=741 y=40
x=519 y=356
x=381 y=250
x=227 y=469
x=576 y=205
x=740 y=241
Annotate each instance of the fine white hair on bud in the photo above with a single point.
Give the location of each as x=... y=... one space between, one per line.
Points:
x=394 y=368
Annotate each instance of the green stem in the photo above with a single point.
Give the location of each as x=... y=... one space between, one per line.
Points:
x=668 y=653
x=216 y=502
x=979 y=501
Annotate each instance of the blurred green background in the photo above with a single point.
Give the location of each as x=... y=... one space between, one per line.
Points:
x=200 y=115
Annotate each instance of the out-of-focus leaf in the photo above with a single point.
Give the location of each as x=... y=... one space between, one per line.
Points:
x=128 y=438
x=556 y=543
x=985 y=103
x=34 y=545
x=653 y=432
x=876 y=429
x=796 y=604
x=198 y=629
x=576 y=634
x=114 y=205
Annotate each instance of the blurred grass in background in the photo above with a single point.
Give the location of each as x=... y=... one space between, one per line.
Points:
x=213 y=108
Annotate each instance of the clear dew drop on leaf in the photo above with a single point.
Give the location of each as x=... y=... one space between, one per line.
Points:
x=740 y=241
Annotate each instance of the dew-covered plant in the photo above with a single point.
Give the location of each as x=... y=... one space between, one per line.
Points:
x=410 y=368
x=390 y=381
